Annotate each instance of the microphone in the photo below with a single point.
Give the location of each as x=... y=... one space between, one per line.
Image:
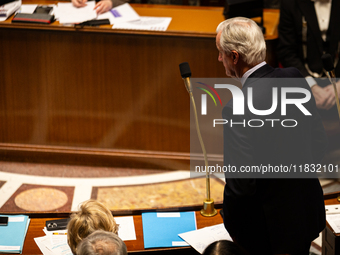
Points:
x=327 y=62
x=208 y=204
x=186 y=74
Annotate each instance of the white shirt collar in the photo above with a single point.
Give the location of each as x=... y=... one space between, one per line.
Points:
x=250 y=71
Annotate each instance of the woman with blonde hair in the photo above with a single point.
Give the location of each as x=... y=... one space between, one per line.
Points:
x=92 y=216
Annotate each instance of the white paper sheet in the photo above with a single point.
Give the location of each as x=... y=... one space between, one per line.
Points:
x=145 y=23
x=27 y=8
x=66 y=13
x=54 y=243
x=44 y=245
x=332 y=209
x=126 y=228
x=121 y=13
x=201 y=238
x=334 y=221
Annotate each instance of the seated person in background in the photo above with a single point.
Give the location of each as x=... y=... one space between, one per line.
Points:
x=102 y=243
x=307 y=30
x=92 y=216
x=101 y=6
x=223 y=247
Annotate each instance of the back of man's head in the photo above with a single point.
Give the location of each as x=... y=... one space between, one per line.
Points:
x=244 y=36
x=102 y=243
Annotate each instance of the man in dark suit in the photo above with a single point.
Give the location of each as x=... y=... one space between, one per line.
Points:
x=278 y=215
x=307 y=30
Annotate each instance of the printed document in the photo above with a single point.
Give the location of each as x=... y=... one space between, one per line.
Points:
x=201 y=238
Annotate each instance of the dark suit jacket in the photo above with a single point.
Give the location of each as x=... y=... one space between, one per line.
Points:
x=273 y=216
x=290 y=52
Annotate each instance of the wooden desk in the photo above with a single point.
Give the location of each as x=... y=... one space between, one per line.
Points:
x=103 y=88
x=330 y=239
x=136 y=246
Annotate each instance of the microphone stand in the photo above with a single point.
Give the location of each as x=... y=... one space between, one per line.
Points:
x=208 y=203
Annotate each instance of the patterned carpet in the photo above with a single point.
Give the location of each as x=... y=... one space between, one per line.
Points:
x=44 y=187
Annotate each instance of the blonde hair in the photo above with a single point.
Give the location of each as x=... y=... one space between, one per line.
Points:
x=245 y=37
x=92 y=216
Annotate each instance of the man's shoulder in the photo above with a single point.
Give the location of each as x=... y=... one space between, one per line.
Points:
x=267 y=71
x=268 y=77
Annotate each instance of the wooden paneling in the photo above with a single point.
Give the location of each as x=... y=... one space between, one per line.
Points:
x=99 y=90
x=103 y=88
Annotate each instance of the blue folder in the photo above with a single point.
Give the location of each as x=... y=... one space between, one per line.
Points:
x=162 y=229
x=13 y=235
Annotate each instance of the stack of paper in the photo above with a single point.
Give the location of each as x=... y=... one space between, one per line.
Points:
x=66 y=13
x=55 y=242
x=162 y=229
x=8 y=9
x=13 y=235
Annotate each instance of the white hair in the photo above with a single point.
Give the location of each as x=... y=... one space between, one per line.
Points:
x=245 y=37
x=102 y=242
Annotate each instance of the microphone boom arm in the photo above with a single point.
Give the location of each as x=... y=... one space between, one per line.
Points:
x=208 y=204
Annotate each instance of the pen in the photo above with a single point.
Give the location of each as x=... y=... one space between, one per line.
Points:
x=55 y=233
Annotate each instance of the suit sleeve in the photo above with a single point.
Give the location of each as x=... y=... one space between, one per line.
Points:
x=290 y=37
x=238 y=151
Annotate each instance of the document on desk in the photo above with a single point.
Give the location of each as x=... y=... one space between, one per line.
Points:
x=201 y=238
x=119 y=14
x=126 y=228
x=53 y=243
x=162 y=229
x=13 y=235
x=145 y=23
x=66 y=13
x=334 y=221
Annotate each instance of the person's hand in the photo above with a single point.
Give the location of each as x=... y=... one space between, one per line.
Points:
x=79 y=3
x=324 y=97
x=103 y=6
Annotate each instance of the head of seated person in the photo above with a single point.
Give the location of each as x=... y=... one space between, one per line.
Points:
x=92 y=216
x=102 y=243
x=223 y=247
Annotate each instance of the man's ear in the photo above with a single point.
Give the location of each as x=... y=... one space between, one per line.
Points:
x=235 y=56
